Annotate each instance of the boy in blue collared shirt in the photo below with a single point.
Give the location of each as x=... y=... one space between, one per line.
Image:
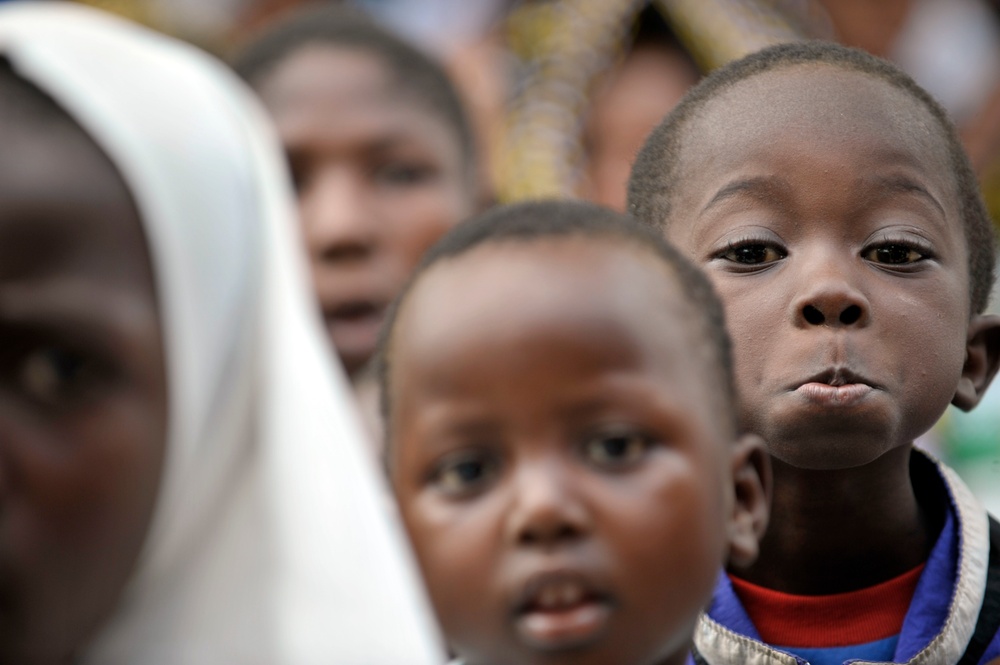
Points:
x=829 y=200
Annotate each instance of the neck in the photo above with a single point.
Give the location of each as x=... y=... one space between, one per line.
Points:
x=842 y=530
x=679 y=657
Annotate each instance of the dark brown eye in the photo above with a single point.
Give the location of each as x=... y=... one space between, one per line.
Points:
x=894 y=254
x=465 y=474
x=48 y=374
x=752 y=254
x=616 y=448
x=404 y=174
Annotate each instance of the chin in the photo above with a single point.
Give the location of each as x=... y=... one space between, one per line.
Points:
x=829 y=449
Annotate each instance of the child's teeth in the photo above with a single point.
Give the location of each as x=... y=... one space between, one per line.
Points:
x=563 y=594
x=549 y=597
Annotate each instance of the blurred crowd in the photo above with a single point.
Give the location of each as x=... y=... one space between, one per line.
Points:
x=497 y=50
x=364 y=135
x=562 y=93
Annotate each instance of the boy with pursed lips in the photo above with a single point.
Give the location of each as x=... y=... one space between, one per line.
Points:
x=559 y=411
x=831 y=204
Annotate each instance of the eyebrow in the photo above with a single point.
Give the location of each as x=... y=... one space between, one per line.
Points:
x=760 y=187
x=394 y=140
x=376 y=144
x=71 y=303
x=766 y=188
x=904 y=184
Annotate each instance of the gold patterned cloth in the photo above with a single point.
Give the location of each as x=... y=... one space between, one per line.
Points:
x=567 y=44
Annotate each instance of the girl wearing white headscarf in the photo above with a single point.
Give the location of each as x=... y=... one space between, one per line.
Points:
x=270 y=541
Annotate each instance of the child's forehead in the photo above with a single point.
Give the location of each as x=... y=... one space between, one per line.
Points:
x=327 y=70
x=792 y=117
x=578 y=285
x=349 y=91
x=614 y=305
x=603 y=266
x=806 y=96
x=50 y=168
x=53 y=156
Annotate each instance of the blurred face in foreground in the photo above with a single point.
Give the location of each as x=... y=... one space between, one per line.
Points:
x=82 y=387
x=558 y=452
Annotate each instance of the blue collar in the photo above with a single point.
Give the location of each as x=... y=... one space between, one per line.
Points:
x=937 y=599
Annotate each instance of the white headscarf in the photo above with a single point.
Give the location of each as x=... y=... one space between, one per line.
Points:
x=272 y=541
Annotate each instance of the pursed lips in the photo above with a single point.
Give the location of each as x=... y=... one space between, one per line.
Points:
x=837 y=377
x=835 y=387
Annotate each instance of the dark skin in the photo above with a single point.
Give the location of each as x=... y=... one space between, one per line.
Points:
x=884 y=548
x=83 y=406
x=831 y=229
x=556 y=448
x=379 y=177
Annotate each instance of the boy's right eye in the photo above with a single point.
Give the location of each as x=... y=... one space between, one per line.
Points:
x=404 y=174
x=751 y=253
x=464 y=474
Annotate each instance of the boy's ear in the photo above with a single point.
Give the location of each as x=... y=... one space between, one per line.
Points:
x=982 y=359
x=752 y=508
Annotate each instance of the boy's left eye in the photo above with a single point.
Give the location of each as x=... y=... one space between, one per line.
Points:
x=751 y=254
x=894 y=254
x=463 y=475
x=404 y=174
x=616 y=449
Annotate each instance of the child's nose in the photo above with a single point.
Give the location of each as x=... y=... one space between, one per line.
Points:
x=835 y=315
x=337 y=220
x=830 y=298
x=546 y=510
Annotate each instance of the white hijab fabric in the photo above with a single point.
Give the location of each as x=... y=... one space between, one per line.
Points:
x=272 y=541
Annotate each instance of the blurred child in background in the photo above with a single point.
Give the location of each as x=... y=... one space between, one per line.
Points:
x=381 y=153
x=629 y=102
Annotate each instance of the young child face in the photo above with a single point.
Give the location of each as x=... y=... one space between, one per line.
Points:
x=82 y=389
x=822 y=205
x=559 y=454
x=379 y=176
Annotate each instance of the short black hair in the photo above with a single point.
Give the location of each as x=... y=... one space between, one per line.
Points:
x=654 y=174
x=546 y=220
x=340 y=26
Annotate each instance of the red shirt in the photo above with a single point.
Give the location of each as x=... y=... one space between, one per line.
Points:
x=831 y=620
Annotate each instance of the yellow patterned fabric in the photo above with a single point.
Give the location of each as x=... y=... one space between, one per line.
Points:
x=137 y=10
x=719 y=31
x=567 y=44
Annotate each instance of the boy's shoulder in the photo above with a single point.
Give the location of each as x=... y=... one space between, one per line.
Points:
x=985 y=643
x=955 y=608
